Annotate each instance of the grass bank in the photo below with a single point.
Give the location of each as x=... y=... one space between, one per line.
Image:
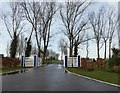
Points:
x=110 y=77
x=4 y=69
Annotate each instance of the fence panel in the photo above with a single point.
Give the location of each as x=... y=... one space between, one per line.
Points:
x=29 y=62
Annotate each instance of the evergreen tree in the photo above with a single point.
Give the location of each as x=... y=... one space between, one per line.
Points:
x=28 y=49
x=115 y=60
x=116 y=56
x=14 y=45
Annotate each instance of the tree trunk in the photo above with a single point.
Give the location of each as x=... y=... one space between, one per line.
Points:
x=110 y=48
x=61 y=55
x=98 y=54
x=39 y=52
x=35 y=28
x=44 y=55
x=87 y=50
x=87 y=53
x=71 y=49
x=75 y=50
x=105 y=50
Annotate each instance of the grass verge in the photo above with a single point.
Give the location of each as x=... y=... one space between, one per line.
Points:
x=110 y=77
x=4 y=70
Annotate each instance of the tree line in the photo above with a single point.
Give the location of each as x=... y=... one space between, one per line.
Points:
x=76 y=21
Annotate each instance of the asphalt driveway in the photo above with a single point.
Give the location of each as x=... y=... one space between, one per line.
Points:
x=51 y=78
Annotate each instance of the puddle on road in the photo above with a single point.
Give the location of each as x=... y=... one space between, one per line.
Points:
x=23 y=71
x=59 y=66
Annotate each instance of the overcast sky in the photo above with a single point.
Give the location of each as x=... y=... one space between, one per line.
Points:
x=4 y=37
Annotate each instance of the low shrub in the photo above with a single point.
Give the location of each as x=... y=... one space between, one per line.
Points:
x=86 y=65
x=89 y=67
x=115 y=60
x=116 y=69
x=10 y=62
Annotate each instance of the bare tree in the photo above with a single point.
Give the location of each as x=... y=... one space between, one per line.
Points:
x=105 y=32
x=112 y=27
x=87 y=46
x=72 y=16
x=7 y=49
x=29 y=45
x=82 y=38
x=13 y=20
x=31 y=13
x=14 y=24
x=105 y=36
x=40 y=15
x=109 y=28
x=21 y=47
x=62 y=45
x=47 y=13
x=97 y=23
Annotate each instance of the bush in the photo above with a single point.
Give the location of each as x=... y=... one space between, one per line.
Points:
x=115 y=60
x=116 y=69
x=89 y=67
x=10 y=62
x=83 y=62
x=107 y=66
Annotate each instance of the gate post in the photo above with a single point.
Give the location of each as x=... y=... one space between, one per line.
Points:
x=22 y=61
x=66 y=59
x=78 y=60
x=35 y=61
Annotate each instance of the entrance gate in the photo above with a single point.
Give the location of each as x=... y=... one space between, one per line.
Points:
x=72 y=61
x=34 y=61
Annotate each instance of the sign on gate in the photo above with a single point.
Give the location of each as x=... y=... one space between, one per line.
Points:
x=69 y=64
x=72 y=61
x=75 y=62
x=33 y=61
x=28 y=61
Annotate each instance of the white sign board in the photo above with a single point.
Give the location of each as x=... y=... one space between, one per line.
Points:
x=75 y=62
x=72 y=62
x=69 y=64
x=29 y=62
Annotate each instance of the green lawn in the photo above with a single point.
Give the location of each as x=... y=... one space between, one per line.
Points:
x=51 y=61
x=110 y=77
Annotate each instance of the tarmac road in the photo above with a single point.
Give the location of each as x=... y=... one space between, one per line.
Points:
x=51 y=78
